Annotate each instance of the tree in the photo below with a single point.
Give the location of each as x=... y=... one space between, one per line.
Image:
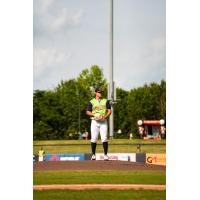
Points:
x=61 y=111
x=120 y=109
x=91 y=78
x=47 y=115
x=163 y=99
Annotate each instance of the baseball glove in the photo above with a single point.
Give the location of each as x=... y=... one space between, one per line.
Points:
x=97 y=116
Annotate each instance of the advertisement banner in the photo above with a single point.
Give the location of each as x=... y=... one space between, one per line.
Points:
x=52 y=157
x=64 y=157
x=118 y=156
x=41 y=158
x=156 y=159
x=141 y=157
x=88 y=156
x=35 y=158
x=68 y=157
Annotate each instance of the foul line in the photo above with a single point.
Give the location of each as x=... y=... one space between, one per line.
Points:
x=99 y=186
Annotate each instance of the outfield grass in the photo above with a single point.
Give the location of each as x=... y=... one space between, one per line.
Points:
x=112 y=149
x=88 y=141
x=78 y=148
x=99 y=195
x=86 y=176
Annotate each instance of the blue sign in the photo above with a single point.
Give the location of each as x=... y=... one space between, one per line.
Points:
x=64 y=157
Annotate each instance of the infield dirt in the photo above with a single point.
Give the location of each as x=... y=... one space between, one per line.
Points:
x=95 y=165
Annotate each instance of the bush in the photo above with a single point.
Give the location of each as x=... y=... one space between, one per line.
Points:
x=71 y=135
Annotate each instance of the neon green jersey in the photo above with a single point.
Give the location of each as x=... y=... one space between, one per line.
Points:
x=99 y=106
x=41 y=153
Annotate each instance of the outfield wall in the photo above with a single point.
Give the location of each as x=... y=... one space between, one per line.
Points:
x=118 y=156
x=156 y=159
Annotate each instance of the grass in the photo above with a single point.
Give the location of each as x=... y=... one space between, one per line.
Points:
x=83 y=176
x=99 y=195
x=112 y=149
x=78 y=148
x=115 y=177
x=88 y=141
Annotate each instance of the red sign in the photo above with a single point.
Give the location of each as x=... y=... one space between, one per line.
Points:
x=151 y=122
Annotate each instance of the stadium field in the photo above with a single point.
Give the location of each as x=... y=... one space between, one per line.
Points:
x=99 y=195
x=94 y=176
x=115 y=146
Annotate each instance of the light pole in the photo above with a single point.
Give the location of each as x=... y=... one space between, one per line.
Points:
x=79 y=111
x=111 y=87
x=79 y=115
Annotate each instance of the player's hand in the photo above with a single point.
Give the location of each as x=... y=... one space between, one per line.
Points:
x=97 y=117
x=103 y=118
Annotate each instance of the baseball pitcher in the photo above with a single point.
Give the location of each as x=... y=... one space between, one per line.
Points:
x=99 y=109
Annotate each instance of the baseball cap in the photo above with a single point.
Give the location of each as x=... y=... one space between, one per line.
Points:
x=98 y=89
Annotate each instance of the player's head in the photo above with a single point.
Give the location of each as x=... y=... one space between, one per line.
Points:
x=98 y=92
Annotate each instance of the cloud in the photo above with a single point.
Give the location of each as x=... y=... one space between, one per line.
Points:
x=45 y=5
x=46 y=59
x=153 y=53
x=42 y=7
x=138 y=65
x=50 y=17
x=71 y=35
x=65 y=19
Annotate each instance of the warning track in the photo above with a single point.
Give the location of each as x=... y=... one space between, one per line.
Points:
x=99 y=186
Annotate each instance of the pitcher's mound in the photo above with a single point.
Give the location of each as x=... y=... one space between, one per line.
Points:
x=95 y=165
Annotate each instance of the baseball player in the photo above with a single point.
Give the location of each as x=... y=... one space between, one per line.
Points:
x=41 y=155
x=99 y=109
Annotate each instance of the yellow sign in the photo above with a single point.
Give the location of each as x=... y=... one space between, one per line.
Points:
x=156 y=159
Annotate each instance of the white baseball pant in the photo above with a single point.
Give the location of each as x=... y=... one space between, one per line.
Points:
x=97 y=126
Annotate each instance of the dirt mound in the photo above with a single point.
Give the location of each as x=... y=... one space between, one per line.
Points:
x=95 y=165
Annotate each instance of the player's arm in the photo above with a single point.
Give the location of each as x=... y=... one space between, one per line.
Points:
x=109 y=111
x=89 y=113
x=89 y=110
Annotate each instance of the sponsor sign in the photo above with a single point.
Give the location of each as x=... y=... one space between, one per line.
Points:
x=52 y=157
x=156 y=159
x=35 y=158
x=118 y=156
x=64 y=157
x=69 y=158
x=141 y=157
x=88 y=156
x=41 y=158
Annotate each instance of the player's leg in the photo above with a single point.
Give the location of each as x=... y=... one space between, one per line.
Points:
x=94 y=138
x=104 y=138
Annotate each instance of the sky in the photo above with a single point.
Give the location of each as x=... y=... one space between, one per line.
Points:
x=72 y=35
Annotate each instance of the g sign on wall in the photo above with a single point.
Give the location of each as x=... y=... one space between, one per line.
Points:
x=156 y=159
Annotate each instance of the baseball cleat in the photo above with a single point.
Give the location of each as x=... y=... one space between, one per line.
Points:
x=106 y=157
x=93 y=157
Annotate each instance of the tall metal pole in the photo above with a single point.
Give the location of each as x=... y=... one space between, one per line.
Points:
x=111 y=88
x=79 y=114
x=79 y=110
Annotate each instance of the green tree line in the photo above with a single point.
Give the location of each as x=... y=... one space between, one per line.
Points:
x=60 y=113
